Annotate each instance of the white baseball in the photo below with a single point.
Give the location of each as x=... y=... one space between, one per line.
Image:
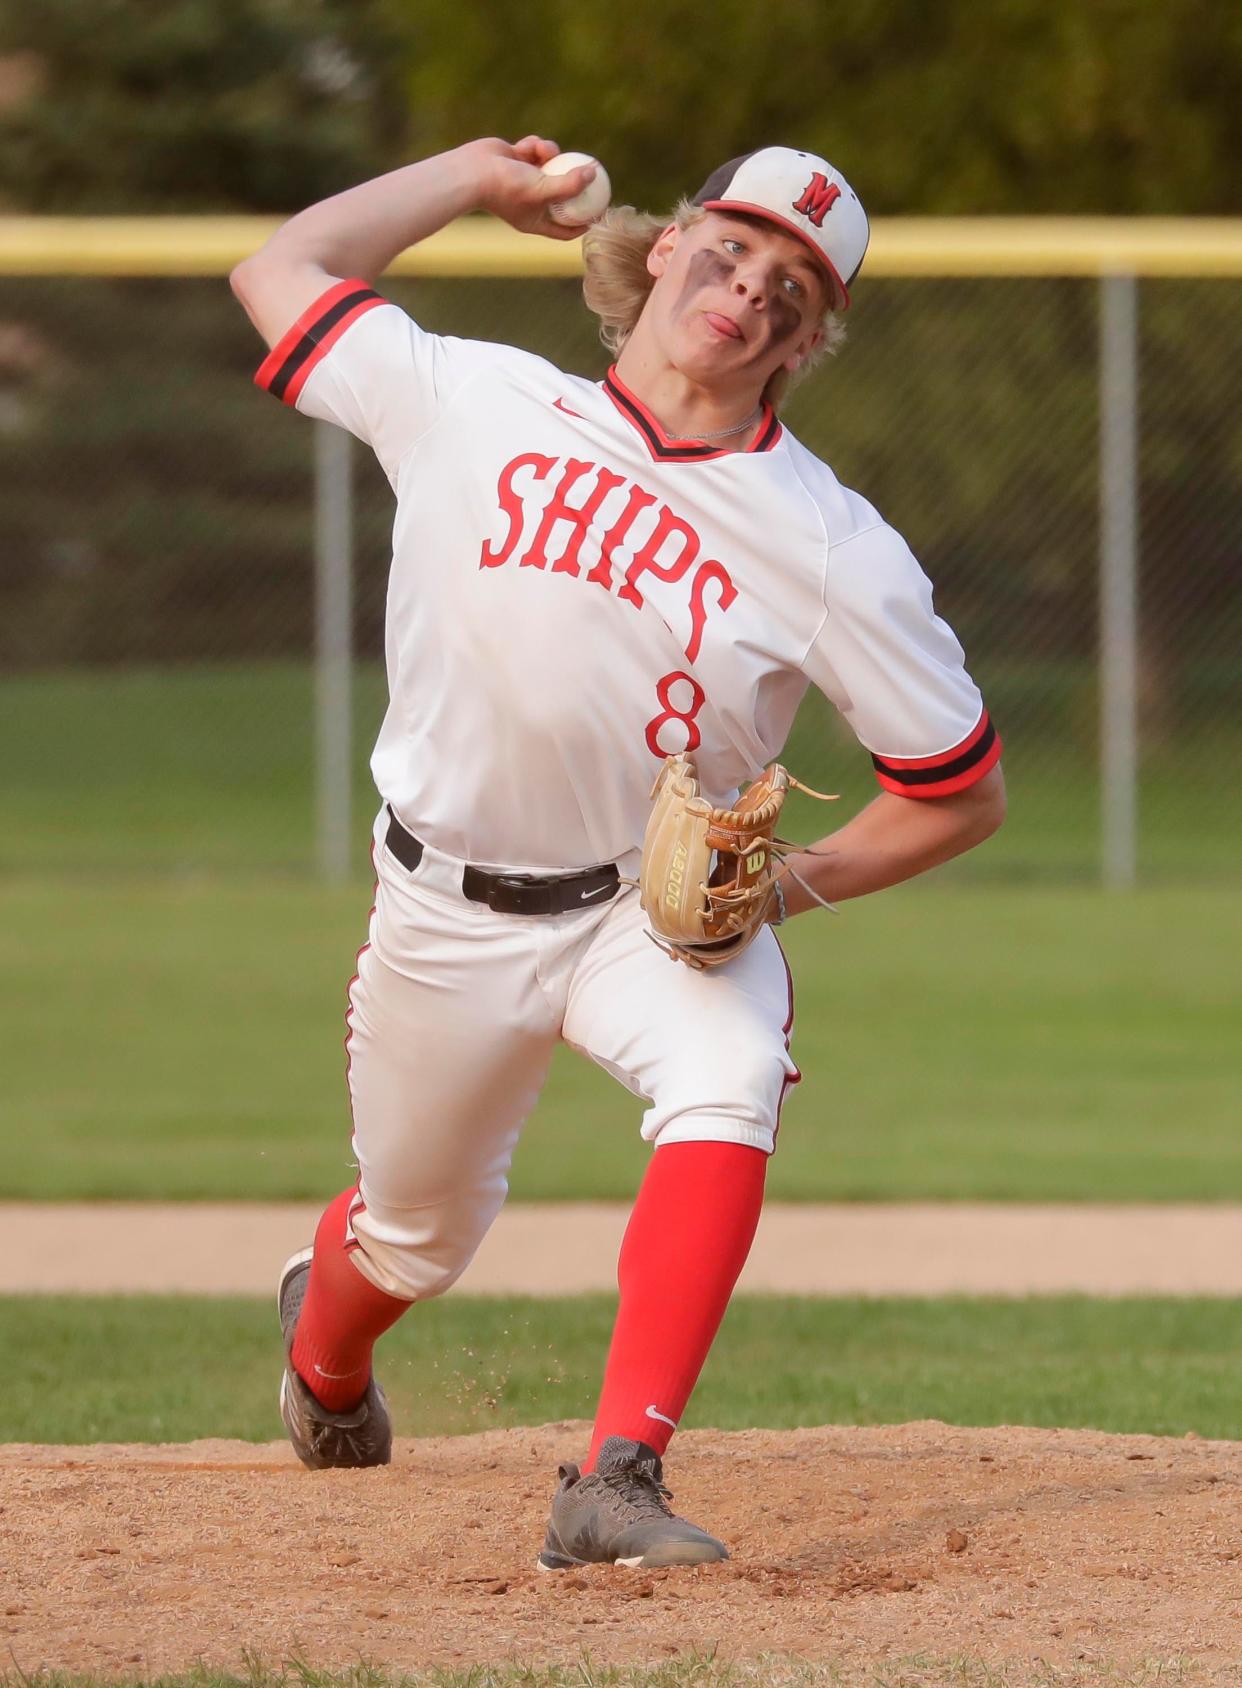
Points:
x=595 y=197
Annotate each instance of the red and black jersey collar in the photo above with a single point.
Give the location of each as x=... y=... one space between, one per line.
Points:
x=667 y=450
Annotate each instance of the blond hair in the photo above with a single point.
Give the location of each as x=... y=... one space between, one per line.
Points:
x=617 y=283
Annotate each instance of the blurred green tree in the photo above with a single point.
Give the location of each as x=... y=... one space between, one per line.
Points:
x=933 y=106
x=194 y=105
x=927 y=105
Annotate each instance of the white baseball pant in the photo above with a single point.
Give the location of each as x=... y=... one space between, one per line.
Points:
x=453 y=1018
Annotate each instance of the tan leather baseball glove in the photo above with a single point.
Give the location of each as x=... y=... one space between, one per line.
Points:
x=708 y=875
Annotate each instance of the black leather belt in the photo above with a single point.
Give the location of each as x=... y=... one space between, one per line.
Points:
x=517 y=893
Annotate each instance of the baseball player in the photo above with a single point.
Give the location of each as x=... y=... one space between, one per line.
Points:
x=587 y=578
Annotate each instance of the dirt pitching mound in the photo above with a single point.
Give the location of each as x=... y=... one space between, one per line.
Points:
x=849 y=1544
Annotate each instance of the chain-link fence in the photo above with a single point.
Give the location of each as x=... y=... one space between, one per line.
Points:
x=158 y=541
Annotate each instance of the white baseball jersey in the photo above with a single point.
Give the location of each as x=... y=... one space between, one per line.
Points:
x=574 y=595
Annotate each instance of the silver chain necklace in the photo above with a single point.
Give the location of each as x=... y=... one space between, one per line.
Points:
x=723 y=433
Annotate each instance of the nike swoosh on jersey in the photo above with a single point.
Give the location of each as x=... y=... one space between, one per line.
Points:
x=559 y=404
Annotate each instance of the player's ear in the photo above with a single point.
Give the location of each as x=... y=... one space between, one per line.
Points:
x=662 y=251
x=803 y=350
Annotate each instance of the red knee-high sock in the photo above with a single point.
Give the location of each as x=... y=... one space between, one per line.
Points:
x=341 y=1317
x=686 y=1243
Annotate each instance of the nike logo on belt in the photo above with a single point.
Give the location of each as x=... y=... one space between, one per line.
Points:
x=597 y=892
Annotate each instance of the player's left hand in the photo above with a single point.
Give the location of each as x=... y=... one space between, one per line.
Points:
x=708 y=874
x=514 y=188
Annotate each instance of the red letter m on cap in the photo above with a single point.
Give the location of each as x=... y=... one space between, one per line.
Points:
x=818 y=197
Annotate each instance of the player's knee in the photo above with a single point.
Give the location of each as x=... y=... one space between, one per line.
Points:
x=419 y=1252
x=739 y=1102
x=411 y=1271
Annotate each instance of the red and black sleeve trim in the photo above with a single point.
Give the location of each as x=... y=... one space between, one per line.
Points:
x=663 y=447
x=950 y=771
x=285 y=369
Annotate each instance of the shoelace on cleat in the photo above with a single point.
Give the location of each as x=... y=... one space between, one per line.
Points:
x=640 y=1488
x=332 y=1439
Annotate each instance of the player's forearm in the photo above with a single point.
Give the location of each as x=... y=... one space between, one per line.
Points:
x=361 y=231
x=356 y=233
x=894 y=839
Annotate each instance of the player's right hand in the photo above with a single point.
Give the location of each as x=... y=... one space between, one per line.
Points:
x=513 y=187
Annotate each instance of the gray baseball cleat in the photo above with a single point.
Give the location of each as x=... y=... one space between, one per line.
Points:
x=322 y=1439
x=619 y=1515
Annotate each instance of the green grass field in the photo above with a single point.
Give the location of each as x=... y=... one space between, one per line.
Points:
x=152 y=1369
x=184 y=1040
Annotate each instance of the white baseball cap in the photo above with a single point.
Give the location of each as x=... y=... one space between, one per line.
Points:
x=802 y=194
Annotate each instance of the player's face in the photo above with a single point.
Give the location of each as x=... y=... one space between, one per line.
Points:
x=734 y=298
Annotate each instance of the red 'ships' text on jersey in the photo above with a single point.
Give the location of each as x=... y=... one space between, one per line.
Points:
x=661 y=543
